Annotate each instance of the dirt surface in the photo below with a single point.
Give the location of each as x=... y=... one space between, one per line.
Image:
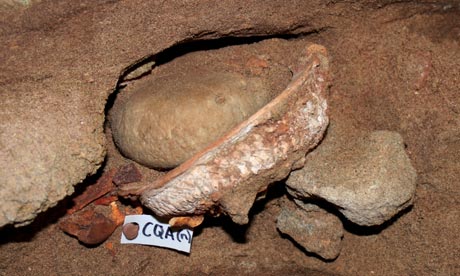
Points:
x=394 y=66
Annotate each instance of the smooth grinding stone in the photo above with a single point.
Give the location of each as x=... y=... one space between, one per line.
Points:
x=171 y=118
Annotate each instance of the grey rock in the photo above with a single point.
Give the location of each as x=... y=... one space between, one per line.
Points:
x=368 y=176
x=316 y=230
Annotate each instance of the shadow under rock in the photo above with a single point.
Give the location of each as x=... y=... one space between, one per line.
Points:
x=352 y=227
x=236 y=231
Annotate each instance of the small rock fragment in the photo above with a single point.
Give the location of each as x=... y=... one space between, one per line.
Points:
x=92 y=192
x=192 y=221
x=127 y=174
x=88 y=226
x=368 y=176
x=315 y=230
x=139 y=71
x=105 y=200
x=116 y=215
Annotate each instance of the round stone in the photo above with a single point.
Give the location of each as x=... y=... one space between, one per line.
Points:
x=171 y=118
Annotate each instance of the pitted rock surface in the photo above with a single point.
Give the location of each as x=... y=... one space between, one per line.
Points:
x=368 y=176
x=169 y=119
x=313 y=228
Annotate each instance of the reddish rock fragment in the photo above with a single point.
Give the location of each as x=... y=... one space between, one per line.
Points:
x=127 y=174
x=106 y=200
x=101 y=187
x=191 y=222
x=88 y=226
x=110 y=248
x=116 y=215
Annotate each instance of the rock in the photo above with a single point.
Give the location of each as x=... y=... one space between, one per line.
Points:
x=45 y=149
x=171 y=118
x=316 y=230
x=368 y=176
x=88 y=226
x=93 y=192
x=128 y=173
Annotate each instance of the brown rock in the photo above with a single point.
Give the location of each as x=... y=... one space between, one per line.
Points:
x=102 y=186
x=312 y=228
x=88 y=226
x=127 y=174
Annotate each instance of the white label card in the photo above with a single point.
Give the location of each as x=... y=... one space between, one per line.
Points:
x=153 y=232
